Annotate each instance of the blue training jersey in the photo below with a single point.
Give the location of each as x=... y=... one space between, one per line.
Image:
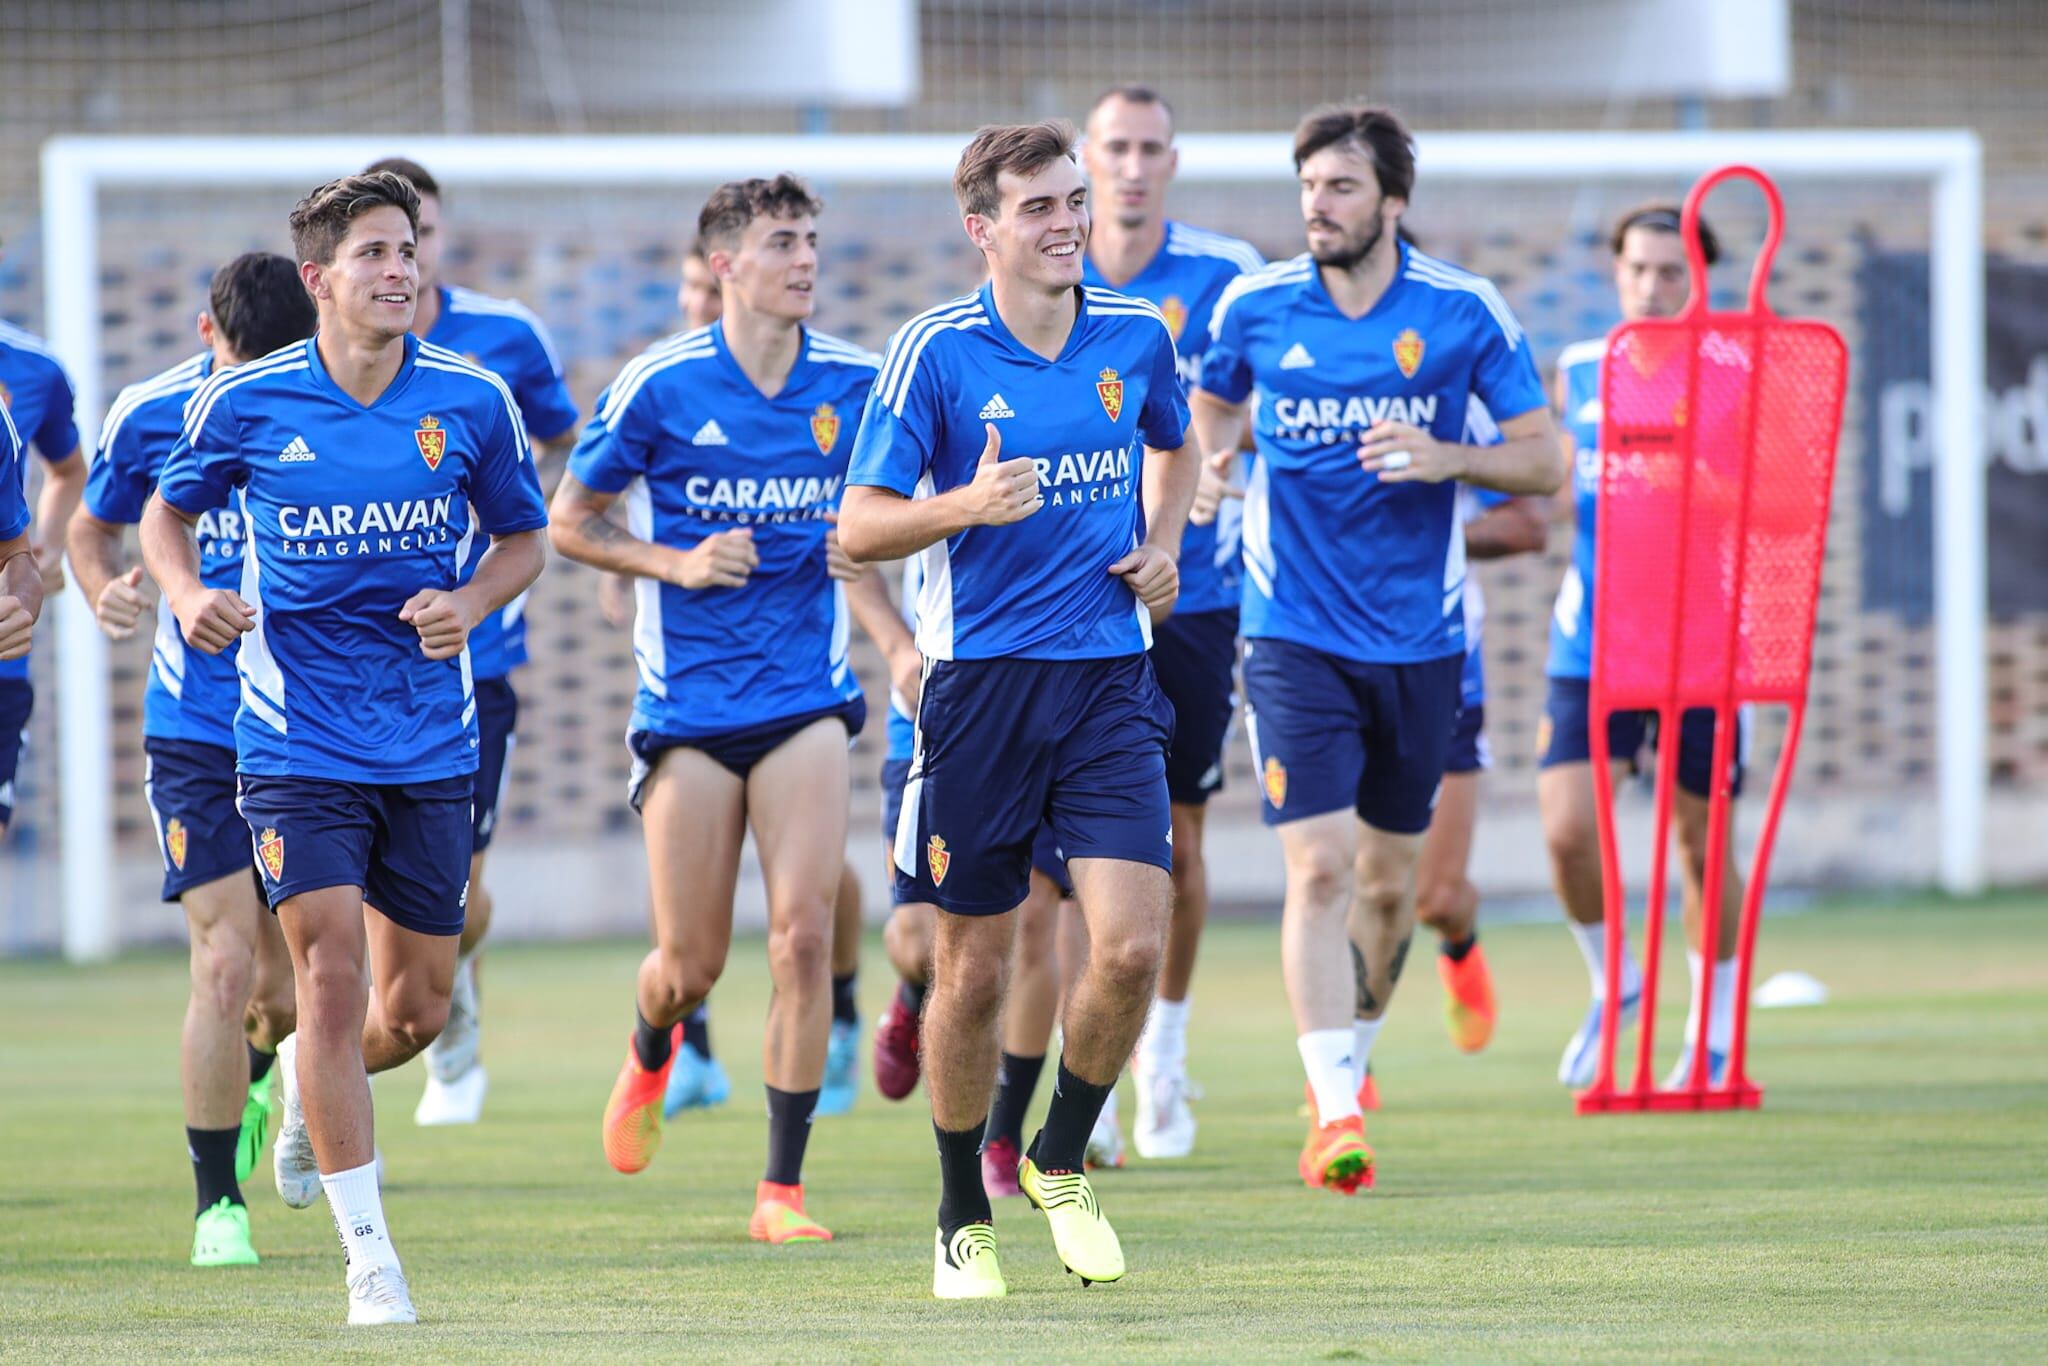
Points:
x=1335 y=559
x=191 y=695
x=697 y=449
x=37 y=393
x=1038 y=588
x=13 y=480
x=1185 y=279
x=348 y=511
x=1571 y=620
x=505 y=338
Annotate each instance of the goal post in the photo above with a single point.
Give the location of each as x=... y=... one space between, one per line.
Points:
x=1948 y=164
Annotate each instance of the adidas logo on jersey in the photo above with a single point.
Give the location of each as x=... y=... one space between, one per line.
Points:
x=296 y=452
x=710 y=434
x=1296 y=358
x=996 y=408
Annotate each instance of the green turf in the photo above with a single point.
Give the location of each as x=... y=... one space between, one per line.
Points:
x=1889 y=1200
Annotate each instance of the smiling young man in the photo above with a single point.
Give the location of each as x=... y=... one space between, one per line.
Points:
x=241 y=971
x=364 y=464
x=728 y=446
x=1363 y=354
x=1029 y=440
x=1651 y=280
x=504 y=337
x=1137 y=249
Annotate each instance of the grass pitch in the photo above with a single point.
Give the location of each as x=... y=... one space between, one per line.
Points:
x=1891 y=1199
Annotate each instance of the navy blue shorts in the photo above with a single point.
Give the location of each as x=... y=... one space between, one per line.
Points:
x=497 y=718
x=1329 y=733
x=1469 y=752
x=735 y=751
x=1045 y=846
x=1566 y=737
x=190 y=788
x=17 y=700
x=405 y=844
x=1195 y=659
x=1009 y=747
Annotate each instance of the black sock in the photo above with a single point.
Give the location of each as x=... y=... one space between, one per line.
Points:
x=1456 y=951
x=259 y=1063
x=697 y=1029
x=213 y=1165
x=789 y=1131
x=651 y=1043
x=843 y=1008
x=1016 y=1080
x=1061 y=1144
x=912 y=996
x=962 y=1197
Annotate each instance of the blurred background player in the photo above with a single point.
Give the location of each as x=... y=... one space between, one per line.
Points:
x=241 y=1003
x=37 y=393
x=1038 y=703
x=1652 y=280
x=21 y=582
x=504 y=337
x=1495 y=526
x=365 y=463
x=747 y=697
x=1135 y=248
x=1359 y=353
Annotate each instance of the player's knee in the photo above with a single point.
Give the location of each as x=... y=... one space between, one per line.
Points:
x=224 y=974
x=1321 y=873
x=272 y=1013
x=682 y=982
x=1380 y=894
x=908 y=940
x=800 y=952
x=1574 y=845
x=415 y=1019
x=1128 y=961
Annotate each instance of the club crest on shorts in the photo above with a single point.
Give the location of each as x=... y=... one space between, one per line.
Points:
x=1110 y=390
x=433 y=441
x=176 y=840
x=1176 y=314
x=935 y=854
x=825 y=428
x=1274 y=776
x=1408 y=352
x=270 y=848
x=1544 y=730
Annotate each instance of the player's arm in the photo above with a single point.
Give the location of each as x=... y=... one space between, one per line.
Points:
x=1520 y=526
x=113 y=587
x=876 y=613
x=21 y=596
x=551 y=460
x=63 y=486
x=877 y=523
x=1222 y=429
x=211 y=619
x=1527 y=459
x=444 y=617
x=579 y=529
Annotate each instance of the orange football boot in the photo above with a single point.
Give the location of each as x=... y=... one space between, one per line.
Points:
x=632 y=1117
x=1469 y=1008
x=1336 y=1157
x=779 y=1217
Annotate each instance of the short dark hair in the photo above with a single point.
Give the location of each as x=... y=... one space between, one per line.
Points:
x=695 y=251
x=259 y=304
x=1132 y=92
x=1374 y=130
x=322 y=218
x=737 y=203
x=1661 y=215
x=1019 y=148
x=422 y=179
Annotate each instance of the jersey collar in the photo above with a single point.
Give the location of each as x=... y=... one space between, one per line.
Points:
x=1001 y=330
x=1320 y=292
x=799 y=372
x=391 y=390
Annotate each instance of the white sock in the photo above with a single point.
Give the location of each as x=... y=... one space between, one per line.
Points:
x=1363 y=1032
x=1326 y=1057
x=1593 y=948
x=1721 y=1023
x=358 y=1209
x=1163 y=1047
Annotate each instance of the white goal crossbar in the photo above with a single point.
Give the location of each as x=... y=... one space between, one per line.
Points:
x=1949 y=163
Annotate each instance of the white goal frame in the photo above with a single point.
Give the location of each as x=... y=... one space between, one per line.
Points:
x=1949 y=163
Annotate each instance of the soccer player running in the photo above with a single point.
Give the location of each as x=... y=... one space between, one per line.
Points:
x=37 y=393
x=1363 y=354
x=729 y=446
x=1136 y=248
x=365 y=465
x=504 y=337
x=1008 y=440
x=1652 y=281
x=241 y=1005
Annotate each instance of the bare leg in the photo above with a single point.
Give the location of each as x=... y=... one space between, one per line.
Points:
x=1033 y=999
x=1190 y=902
x=694 y=814
x=970 y=972
x=1445 y=899
x=796 y=798
x=222 y=917
x=330 y=952
x=1127 y=907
